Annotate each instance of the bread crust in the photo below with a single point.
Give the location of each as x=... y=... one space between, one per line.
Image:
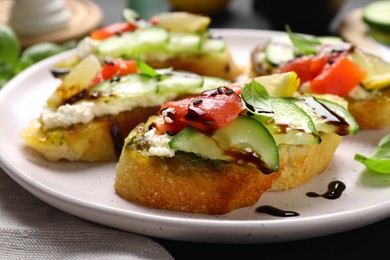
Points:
x=301 y=163
x=371 y=113
x=188 y=183
x=97 y=141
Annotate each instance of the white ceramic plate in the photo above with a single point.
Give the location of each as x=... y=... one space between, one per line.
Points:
x=86 y=190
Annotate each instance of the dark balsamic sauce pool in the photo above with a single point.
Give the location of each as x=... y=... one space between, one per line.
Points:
x=276 y=212
x=335 y=189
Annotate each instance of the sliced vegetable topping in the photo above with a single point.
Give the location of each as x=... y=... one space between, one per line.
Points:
x=212 y=110
x=111 y=69
x=285 y=114
x=280 y=85
x=111 y=30
x=338 y=78
x=221 y=125
x=181 y=21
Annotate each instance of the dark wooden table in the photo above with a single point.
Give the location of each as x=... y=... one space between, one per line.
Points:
x=369 y=242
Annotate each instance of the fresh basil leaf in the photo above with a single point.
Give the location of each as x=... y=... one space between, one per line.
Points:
x=9 y=46
x=40 y=51
x=145 y=68
x=303 y=45
x=379 y=161
x=284 y=112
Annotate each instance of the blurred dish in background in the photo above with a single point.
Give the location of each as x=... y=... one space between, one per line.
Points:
x=208 y=7
x=376 y=15
x=354 y=30
x=85 y=16
x=311 y=17
x=30 y=18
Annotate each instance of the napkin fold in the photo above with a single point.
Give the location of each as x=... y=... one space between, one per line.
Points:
x=32 y=229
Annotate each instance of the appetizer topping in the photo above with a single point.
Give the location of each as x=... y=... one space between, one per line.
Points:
x=112 y=29
x=91 y=90
x=163 y=36
x=323 y=64
x=219 y=124
x=181 y=22
x=115 y=68
x=212 y=110
x=338 y=78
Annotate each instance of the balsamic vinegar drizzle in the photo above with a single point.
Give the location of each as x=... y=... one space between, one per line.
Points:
x=335 y=189
x=276 y=212
x=330 y=116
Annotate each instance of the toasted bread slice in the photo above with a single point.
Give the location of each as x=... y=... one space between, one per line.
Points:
x=300 y=163
x=371 y=113
x=99 y=140
x=188 y=183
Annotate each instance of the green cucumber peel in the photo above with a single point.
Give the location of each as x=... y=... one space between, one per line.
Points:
x=379 y=161
x=283 y=111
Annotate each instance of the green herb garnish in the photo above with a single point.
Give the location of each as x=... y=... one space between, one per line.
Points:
x=303 y=45
x=283 y=111
x=145 y=68
x=379 y=161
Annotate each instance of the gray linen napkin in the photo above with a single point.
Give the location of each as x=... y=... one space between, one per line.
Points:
x=32 y=229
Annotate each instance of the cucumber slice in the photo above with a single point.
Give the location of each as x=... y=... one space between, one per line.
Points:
x=151 y=36
x=244 y=140
x=377 y=15
x=180 y=82
x=213 y=45
x=277 y=53
x=184 y=42
x=329 y=117
x=249 y=139
x=128 y=85
x=344 y=114
x=283 y=135
x=191 y=140
x=115 y=45
x=279 y=50
x=144 y=40
x=277 y=111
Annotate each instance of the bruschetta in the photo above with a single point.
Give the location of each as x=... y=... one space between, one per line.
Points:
x=223 y=149
x=178 y=40
x=95 y=107
x=330 y=65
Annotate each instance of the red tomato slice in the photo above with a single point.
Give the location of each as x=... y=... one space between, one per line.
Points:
x=306 y=67
x=338 y=78
x=208 y=112
x=112 y=29
x=116 y=68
